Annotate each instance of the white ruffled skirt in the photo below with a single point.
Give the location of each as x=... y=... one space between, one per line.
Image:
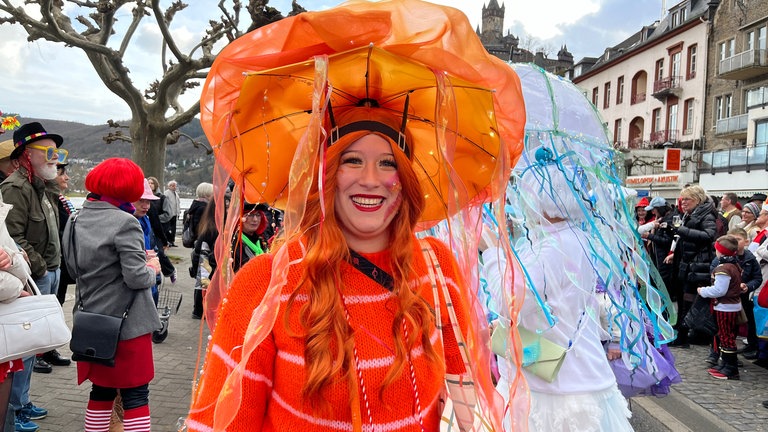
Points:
x=601 y=411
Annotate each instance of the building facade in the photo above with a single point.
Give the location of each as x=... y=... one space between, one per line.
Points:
x=651 y=91
x=735 y=114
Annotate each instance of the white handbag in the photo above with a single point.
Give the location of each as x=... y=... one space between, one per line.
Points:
x=31 y=325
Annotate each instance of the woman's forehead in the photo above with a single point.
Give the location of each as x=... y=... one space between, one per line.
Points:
x=371 y=141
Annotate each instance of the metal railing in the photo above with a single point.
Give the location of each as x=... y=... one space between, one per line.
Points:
x=667 y=83
x=637 y=98
x=732 y=124
x=743 y=60
x=664 y=135
x=734 y=159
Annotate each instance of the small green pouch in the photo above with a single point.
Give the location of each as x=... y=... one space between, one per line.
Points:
x=541 y=356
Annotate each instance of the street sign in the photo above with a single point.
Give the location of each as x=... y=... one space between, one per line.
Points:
x=673 y=158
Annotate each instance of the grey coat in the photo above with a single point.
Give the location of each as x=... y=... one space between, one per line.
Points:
x=111 y=265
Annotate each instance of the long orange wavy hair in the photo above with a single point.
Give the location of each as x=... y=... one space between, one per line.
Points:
x=329 y=337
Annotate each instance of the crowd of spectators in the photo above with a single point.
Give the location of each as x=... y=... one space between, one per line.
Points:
x=690 y=242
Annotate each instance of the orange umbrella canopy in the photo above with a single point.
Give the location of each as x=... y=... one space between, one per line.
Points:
x=274 y=109
x=258 y=99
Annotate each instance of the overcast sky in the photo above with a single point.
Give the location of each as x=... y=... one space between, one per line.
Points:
x=50 y=81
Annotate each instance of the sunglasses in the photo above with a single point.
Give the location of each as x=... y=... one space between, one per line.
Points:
x=50 y=152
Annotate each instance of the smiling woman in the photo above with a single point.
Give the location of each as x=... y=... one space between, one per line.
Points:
x=370 y=308
x=390 y=115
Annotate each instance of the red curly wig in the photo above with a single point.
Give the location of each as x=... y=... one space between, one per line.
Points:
x=329 y=340
x=118 y=178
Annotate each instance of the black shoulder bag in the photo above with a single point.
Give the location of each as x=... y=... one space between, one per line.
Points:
x=94 y=336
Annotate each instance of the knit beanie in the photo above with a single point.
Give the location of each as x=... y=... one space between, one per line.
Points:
x=752 y=208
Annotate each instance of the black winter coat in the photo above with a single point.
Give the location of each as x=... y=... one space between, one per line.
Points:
x=662 y=240
x=157 y=228
x=157 y=204
x=695 y=248
x=193 y=216
x=64 y=213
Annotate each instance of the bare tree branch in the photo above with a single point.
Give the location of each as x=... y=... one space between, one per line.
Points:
x=139 y=12
x=155 y=111
x=163 y=19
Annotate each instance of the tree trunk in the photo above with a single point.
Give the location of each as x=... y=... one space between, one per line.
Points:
x=148 y=150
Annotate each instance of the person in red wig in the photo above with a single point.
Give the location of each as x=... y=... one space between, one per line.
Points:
x=355 y=339
x=104 y=250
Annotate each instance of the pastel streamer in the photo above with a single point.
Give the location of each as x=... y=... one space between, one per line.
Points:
x=565 y=135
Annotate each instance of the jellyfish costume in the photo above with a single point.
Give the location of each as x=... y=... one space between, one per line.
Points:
x=588 y=282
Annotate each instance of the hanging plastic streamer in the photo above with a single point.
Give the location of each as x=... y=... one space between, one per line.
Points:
x=433 y=35
x=462 y=233
x=565 y=139
x=264 y=316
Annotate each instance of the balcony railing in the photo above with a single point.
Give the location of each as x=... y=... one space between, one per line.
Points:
x=666 y=84
x=664 y=135
x=637 y=98
x=744 y=65
x=735 y=159
x=757 y=97
x=736 y=125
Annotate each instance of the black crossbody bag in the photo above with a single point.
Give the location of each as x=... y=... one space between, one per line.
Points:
x=94 y=336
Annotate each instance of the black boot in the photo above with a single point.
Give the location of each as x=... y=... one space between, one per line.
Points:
x=682 y=338
x=730 y=370
x=197 y=308
x=713 y=357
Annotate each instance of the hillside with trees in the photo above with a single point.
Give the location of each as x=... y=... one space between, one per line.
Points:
x=157 y=111
x=186 y=163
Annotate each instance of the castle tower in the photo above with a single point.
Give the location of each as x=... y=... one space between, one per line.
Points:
x=493 y=23
x=564 y=56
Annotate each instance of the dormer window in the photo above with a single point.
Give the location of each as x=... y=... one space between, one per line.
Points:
x=678 y=16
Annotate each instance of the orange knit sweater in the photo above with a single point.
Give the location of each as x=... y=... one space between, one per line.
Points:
x=272 y=387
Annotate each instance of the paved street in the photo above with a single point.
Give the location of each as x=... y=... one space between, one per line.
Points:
x=700 y=403
x=175 y=361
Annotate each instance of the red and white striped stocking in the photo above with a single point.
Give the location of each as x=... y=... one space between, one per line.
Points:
x=137 y=419
x=97 y=415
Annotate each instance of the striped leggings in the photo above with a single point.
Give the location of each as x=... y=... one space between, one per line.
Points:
x=726 y=330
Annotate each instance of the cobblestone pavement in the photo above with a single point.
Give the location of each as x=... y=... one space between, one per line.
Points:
x=698 y=400
x=175 y=361
x=729 y=405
